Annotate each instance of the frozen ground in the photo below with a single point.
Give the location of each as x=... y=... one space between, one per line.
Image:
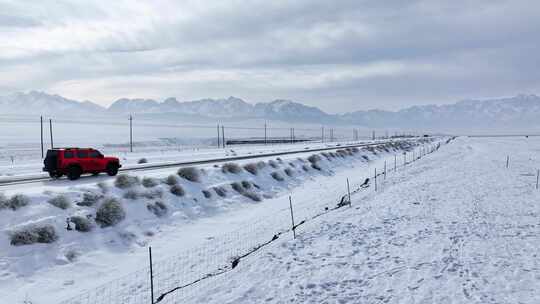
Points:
x=455 y=227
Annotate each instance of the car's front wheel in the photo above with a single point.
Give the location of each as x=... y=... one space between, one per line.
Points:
x=112 y=169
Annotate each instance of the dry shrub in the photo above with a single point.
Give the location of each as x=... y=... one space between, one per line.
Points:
x=90 y=199
x=316 y=166
x=33 y=234
x=231 y=168
x=238 y=187
x=192 y=174
x=277 y=176
x=314 y=158
x=273 y=163
x=252 y=195
x=15 y=202
x=289 y=171
x=171 y=180
x=158 y=208
x=252 y=168
x=124 y=181
x=207 y=194
x=60 y=201
x=149 y=182
x=82 y=223
x=177 y=190
x=220 y=191
x=110 y=213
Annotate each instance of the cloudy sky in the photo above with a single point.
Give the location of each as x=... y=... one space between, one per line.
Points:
x=338 y=55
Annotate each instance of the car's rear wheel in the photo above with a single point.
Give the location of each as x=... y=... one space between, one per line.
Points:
x=74 y=172
x=112 y=169
x=54 y=174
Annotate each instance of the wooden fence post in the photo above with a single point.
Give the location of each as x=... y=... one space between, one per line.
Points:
x=292 y=218
x=375 y=177
x=151 y=276
x=349 y=192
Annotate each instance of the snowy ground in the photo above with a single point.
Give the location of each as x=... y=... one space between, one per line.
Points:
x=454 y=227
x=43 y=273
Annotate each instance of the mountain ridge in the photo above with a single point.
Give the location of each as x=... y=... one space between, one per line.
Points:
x=520 y=110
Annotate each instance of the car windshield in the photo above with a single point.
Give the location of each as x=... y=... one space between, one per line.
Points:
x=95 y=154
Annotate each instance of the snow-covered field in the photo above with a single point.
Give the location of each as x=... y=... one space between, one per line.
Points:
x=81 y=260
x=453 y=227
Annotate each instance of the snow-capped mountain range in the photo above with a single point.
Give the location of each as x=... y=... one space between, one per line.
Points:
x=518 y=111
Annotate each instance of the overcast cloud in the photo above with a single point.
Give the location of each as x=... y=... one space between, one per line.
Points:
x=337 y=55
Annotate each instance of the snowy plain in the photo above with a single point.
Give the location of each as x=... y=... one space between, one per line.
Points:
x=457 y=226
x=47 y=269
x=453 y=227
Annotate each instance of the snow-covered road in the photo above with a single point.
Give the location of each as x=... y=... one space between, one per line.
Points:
x=456 y=227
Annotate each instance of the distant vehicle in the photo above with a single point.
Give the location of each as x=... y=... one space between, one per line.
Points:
x=73 y=162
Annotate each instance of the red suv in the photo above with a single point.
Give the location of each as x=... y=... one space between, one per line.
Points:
x=76 y=161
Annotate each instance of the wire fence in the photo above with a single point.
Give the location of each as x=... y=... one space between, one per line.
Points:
x=181 y=278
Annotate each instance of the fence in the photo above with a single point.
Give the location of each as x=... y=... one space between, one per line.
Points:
x=178 y=279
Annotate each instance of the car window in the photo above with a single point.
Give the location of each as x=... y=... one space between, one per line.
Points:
x=82 y=154
x=68 y=154
x=94 y=154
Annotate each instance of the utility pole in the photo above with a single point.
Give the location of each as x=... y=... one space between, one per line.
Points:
x=50 y=130
x=223 y=136
x=41 y=124
x=130 y=133
x=265 y=138
x=218 y=138
x=322 y=134
x=373 y=135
